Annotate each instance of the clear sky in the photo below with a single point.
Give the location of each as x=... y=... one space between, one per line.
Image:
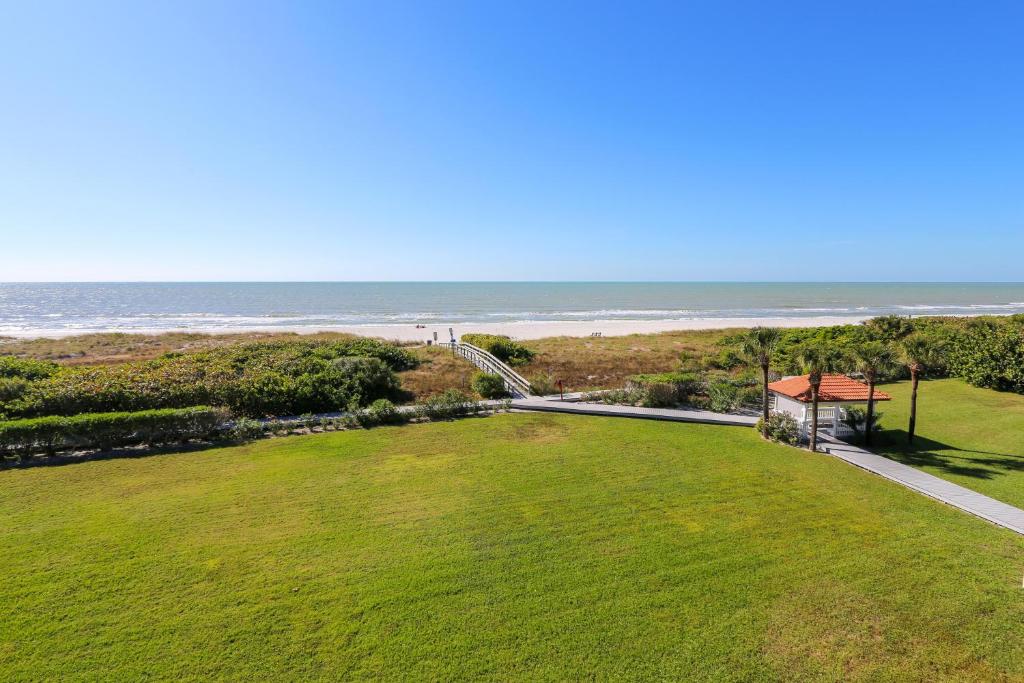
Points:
x=512 y=141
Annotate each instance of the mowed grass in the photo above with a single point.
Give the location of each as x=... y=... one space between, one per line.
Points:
x=971 y=436
x=539 y=547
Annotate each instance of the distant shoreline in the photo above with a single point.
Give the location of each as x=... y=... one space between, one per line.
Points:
x=526 y=329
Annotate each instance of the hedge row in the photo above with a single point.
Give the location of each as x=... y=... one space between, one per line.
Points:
x=103 y=431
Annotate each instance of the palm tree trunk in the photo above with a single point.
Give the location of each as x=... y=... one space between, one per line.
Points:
x=869 y=420
x=814 y=418
x=764 y=400
x=913 y=405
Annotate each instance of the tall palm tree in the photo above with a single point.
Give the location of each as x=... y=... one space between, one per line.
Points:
x=757 y=346
x=816 y=360
x=919 y=353
x=872 y=359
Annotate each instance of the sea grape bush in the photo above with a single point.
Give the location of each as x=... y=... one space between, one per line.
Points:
x=26 y=368
x=989 y=354
x=257 y=379
x=103 y=431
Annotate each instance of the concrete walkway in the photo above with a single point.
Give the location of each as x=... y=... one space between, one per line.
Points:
x=947 y=492
x=952 y=494
x=671 y=414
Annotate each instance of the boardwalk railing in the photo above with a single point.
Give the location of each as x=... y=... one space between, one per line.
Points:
x=515 y=384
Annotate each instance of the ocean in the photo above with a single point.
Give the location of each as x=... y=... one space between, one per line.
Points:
x=67 y=308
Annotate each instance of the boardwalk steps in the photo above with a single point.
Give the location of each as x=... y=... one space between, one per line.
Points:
x=515 y=383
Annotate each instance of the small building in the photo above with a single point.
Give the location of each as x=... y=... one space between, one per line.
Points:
x=792 y=395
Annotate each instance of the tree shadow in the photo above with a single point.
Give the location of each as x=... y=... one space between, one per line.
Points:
x=925 y=452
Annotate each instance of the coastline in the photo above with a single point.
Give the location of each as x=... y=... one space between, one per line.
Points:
x=525 y=329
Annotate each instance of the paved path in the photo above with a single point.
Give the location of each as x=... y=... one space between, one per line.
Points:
x=969 y=501
x=670 y=414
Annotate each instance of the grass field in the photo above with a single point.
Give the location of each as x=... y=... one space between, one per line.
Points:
x=972 y=436
x=516 y=546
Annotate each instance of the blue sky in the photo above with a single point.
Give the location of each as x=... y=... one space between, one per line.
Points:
x=512 y=141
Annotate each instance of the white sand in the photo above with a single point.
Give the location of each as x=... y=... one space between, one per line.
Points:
x=516 y=330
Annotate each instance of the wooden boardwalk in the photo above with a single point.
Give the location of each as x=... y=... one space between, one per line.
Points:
x=947 y=492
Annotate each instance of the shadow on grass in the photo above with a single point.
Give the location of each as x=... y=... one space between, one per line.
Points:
x=115 y=454
x=965 y=462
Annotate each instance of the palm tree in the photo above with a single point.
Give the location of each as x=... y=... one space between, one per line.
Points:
x=816 y=360
x=872 y=359
x=758 y=345
x=918 y=353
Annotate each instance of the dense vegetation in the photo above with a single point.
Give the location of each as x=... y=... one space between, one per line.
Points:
x=102 y=431
x=534 y=547
x=501 y=347
x=985 y=351
x=256 y=379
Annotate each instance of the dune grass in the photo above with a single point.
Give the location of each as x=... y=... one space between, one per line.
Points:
x=439 y=370
x=584 y=363
x=971 y=436
x=517 y=546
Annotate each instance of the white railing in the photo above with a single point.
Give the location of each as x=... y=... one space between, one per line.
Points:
x=515 y=383
x=830 y=420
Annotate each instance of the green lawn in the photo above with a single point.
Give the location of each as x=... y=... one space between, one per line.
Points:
x=516 y=546
x=971 y=436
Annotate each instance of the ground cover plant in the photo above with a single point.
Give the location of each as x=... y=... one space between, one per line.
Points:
x=968 y=435
x=519 y=546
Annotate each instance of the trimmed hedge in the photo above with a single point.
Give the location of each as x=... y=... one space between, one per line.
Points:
x=501 y=347
x=103 y=431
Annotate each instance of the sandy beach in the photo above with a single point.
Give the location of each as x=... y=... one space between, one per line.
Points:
x=530 y=329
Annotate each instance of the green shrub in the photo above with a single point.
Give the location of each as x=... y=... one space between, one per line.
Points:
x=246 y=429
x=724 y=396
x=12 y=388
x=630 y=396
x=658 y=395
x=657 y=387
x=857 y=418
x=26 y=368
x=782 y=427
x=383 y=411
x=104 y=431
x=489 y=385
x=988 y=354
x=501 y=347
x=450 y=404
x=750 y=396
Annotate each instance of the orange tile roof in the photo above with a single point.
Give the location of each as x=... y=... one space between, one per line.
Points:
x=833 y=388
